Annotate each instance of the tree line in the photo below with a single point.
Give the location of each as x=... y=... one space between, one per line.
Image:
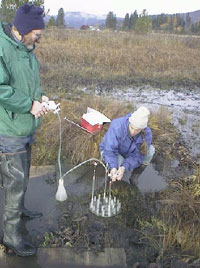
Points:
x=176 y=23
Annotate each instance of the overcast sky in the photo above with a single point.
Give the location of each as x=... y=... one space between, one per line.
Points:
x=121 y=7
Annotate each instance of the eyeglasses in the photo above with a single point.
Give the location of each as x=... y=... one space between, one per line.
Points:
x=38 y=36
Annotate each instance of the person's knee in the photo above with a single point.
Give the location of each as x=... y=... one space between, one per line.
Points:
x=149 y=155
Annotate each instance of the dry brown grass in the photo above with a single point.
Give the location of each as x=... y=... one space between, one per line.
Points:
x=70 y=57
x=181 y=216
x=175 y=229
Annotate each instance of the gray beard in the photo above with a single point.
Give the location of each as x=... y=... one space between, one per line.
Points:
x=30 y=47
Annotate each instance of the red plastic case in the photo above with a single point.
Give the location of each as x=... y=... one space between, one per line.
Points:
x=89 y=127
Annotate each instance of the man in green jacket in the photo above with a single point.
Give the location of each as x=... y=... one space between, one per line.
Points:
x=21 y=109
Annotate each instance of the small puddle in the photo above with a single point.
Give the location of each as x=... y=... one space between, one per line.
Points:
x=150 y=180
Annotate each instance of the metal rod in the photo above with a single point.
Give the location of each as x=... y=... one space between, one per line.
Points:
x=77 y=125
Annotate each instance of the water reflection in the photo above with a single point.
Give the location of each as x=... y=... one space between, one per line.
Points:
x=150 y=180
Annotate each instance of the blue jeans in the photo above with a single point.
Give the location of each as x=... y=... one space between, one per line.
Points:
x=147 y=160
x=15 y=144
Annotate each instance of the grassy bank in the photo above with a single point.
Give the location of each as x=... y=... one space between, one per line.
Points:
x=174 y=231
x=69 y=58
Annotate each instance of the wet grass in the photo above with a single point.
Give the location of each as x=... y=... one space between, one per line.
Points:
x=70 y=58
x=174 y=230
x=181 y=212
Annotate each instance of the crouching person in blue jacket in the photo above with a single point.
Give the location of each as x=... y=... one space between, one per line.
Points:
x=127 y=144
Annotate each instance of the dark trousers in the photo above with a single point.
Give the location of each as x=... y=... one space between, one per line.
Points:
x=15 y=157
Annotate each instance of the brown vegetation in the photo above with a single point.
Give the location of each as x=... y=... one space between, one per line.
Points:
x=69 y=58
x=177 y=225
x=181 y=213
x=78 y=145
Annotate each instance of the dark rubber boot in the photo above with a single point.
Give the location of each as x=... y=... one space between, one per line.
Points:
x=30 y=214
x=136 y=173
x=25 y=212
x=12 y=238
x=14 y=171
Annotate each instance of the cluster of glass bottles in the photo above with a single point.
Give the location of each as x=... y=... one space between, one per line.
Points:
x=104 y=205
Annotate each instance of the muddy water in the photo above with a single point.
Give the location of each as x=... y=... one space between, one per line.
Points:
x=150 y=180
x=40 y=196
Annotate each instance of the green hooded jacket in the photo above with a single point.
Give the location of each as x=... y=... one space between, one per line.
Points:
x=19 y=87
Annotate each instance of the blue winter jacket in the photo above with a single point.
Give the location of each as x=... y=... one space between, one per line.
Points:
x=117 y=140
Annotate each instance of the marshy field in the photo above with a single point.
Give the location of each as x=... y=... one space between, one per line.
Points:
x=70 y=58
x=164 y=225
x=100 y=61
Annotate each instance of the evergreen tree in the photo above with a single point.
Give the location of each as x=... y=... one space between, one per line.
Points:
x=126 y=22
x=188 y=22
x=109 y=18
x=155 y=23
x=51 y=22
x=143 y=24
x=159 y=20
x=164 y=22
x=180 y=21
x=195 y=28
x=133 y=20
x=175 y=25
x=111 y=21
x=170 y=23
x=60 y=21
x=9 y=7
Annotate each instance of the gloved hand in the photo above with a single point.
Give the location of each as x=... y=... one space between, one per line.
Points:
x=120 y=173
x=113 y=174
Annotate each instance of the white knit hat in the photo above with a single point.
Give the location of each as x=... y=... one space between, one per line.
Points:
x=139 y=118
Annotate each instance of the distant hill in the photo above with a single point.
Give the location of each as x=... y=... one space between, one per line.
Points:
x=77 y=19
x=195 y=16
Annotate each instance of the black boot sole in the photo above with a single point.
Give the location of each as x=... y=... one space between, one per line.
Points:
x=31 y=217
x=9 y=247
